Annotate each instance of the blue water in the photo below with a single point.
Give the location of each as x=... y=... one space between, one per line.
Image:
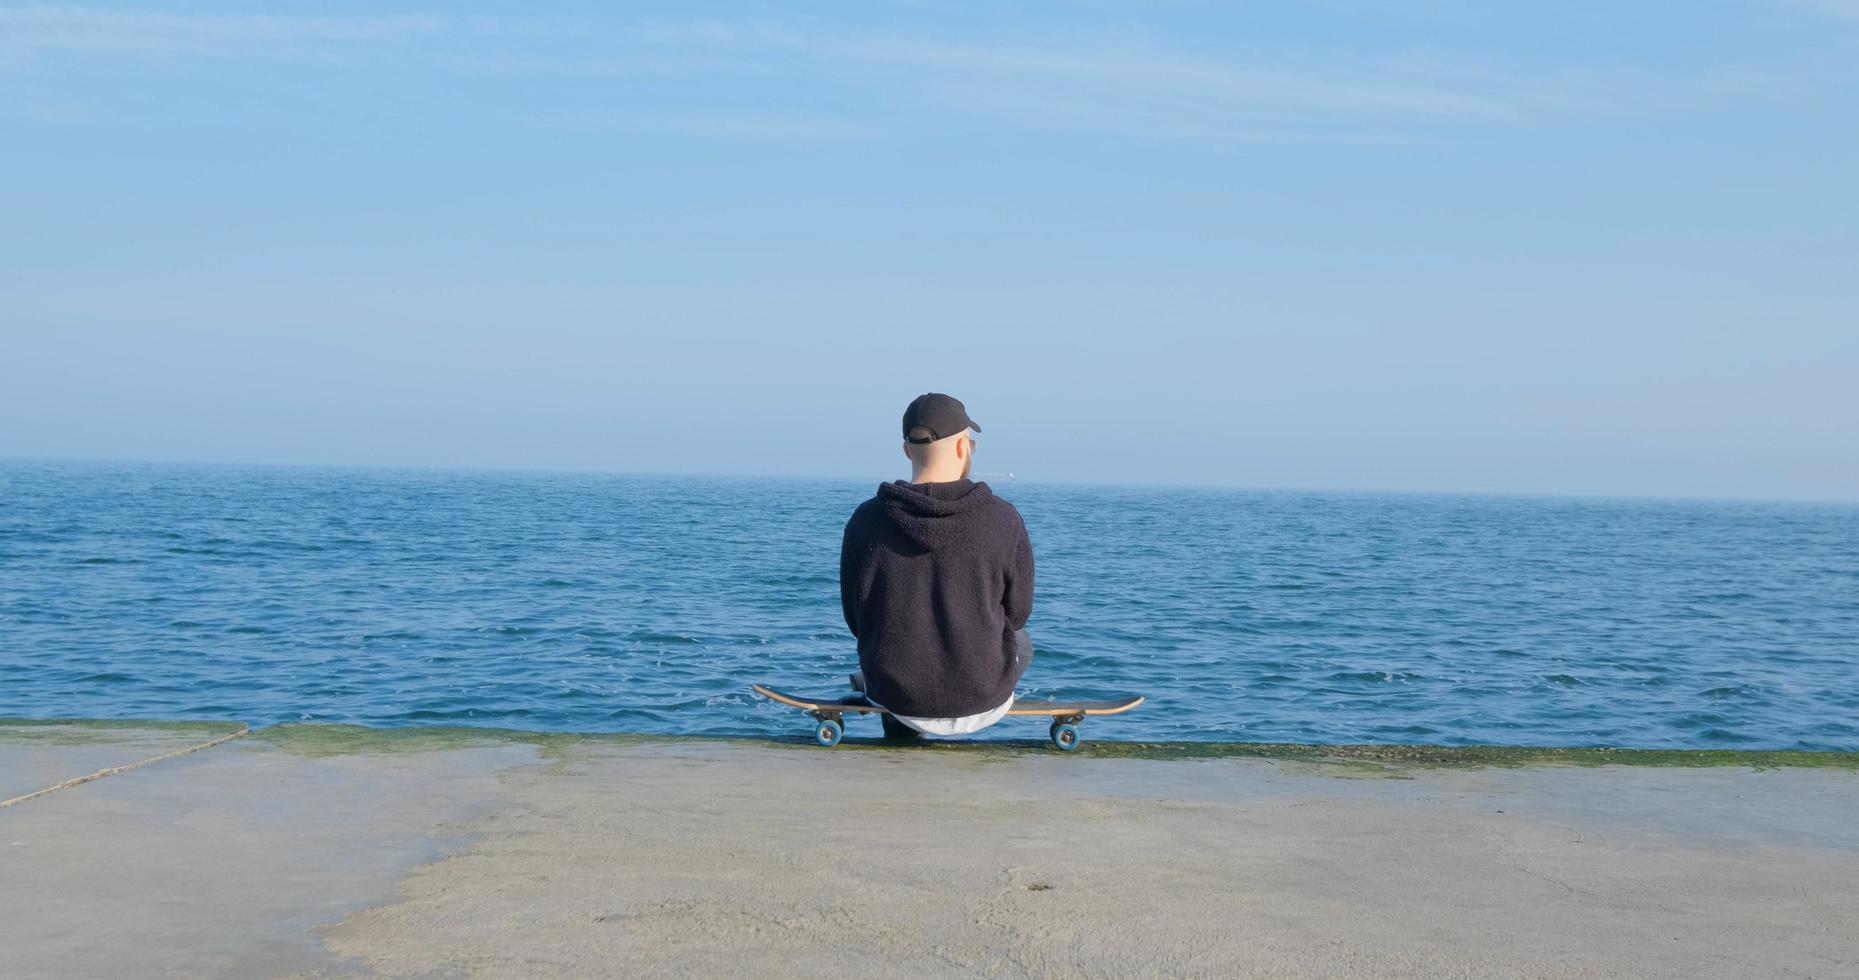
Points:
x=616 y=603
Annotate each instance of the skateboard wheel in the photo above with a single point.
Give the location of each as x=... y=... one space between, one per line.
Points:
x=1064 y=736
x=828 y=733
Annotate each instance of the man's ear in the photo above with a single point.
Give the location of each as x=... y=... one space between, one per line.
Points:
x=906 y=450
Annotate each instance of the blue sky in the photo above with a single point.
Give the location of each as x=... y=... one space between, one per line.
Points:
x=1606 y=248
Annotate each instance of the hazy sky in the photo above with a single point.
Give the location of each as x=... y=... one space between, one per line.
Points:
x=1551 y=247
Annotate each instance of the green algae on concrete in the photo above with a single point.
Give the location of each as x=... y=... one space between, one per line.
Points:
x=332 y=739
x=1476 y=756
x=101 y=731
x=313 y=739
x=318 y=739
x=1392 y=757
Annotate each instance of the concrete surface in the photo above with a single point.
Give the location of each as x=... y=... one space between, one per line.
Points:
x=707 y=858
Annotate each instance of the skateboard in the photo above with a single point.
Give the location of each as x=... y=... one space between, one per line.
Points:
x=1066 y=715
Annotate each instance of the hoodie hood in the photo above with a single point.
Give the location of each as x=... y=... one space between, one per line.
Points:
x=933 y=515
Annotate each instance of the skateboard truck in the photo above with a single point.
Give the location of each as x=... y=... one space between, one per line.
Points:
x=828 y=727
x=1064 y=731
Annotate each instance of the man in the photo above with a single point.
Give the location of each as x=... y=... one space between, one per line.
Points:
x=936 y=579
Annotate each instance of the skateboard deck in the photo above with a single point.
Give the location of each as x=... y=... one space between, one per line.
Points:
x=1065 y=715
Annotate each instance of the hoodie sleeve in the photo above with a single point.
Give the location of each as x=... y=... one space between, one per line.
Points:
x=1018 y=602
x=848 y=579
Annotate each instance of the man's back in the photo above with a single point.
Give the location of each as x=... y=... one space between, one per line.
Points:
x=935 y=579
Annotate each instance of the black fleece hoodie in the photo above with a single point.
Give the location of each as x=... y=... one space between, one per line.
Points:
x=935 y=579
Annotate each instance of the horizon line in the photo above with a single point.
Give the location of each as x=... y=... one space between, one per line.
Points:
x=6 y=458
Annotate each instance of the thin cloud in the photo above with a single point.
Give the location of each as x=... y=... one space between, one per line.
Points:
x=867 y=80
x=1848 y=9
x=748 y=125
x=1106 y=86
x=1161 y=79
x=82 y=29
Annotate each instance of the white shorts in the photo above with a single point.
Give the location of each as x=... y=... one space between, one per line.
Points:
x=953 y=726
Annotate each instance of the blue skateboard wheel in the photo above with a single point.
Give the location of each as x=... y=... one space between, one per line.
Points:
x=1064 y=736
x=828 y=733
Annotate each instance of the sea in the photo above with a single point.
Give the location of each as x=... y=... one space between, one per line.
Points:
x=611 y=603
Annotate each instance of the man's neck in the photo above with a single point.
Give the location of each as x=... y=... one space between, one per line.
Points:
x=933 y=475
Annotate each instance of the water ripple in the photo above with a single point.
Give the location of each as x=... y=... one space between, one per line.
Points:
x=649 y=604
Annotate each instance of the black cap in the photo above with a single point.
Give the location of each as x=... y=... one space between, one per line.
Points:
x=935 y=416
